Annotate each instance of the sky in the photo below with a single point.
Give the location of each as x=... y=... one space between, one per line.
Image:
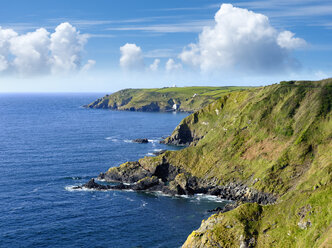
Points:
x=106 y=45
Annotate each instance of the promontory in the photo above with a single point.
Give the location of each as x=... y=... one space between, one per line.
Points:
x=269 y=149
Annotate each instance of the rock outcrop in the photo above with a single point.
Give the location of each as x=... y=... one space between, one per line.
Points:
x=163 y=176
x=141 y=141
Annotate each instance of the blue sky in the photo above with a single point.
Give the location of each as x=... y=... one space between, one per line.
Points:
x=248 y=43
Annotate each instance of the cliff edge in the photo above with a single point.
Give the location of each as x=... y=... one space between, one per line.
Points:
x=267 y=148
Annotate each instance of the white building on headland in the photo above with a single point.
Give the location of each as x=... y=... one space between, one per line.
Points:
x=175 y=106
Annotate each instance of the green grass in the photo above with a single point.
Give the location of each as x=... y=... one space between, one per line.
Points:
x=276 y=139
x=187 y=98
x=280 y=135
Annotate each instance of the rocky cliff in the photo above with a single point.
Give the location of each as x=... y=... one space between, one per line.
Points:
x=268 y=148
x=277 y=140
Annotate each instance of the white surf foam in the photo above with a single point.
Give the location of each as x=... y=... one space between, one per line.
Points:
x=192 y=198
x=71 y=188
x=214 y=198
x=112 y=139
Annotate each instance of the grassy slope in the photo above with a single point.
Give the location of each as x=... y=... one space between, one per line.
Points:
x=164 y=97
x=276 y=139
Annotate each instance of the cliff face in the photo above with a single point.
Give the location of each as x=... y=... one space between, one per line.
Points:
x=278 y=140
x=166 y=99
x=253 y=146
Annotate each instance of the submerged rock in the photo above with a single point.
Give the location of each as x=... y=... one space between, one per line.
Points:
x=141 y=141
x=93 y=185
x=96 y=186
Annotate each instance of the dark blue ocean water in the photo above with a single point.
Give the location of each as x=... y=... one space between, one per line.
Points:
x=49 y=143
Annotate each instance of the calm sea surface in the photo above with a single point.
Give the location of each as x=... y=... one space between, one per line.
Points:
x=48 y=143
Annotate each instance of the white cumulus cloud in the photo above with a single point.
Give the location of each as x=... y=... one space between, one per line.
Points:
x=31 y=52
x=286 y=40
x=3 y=63
x=154 y=66
x=241 y=39
x=131 y=57
x=91 y=63
x=5 y=36
x=40 y=52
x=66 y=46
x=171 y=65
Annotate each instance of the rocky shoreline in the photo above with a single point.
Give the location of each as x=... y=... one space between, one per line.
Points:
x=163 y=177
x=271 y=139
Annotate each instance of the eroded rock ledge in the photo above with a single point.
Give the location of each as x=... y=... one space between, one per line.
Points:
x=160 y=175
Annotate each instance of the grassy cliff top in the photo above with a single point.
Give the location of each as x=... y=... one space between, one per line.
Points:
x=162 y=99
x=275 y=139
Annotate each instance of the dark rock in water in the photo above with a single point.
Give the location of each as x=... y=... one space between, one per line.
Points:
x=160 y=175
x=93 y=185
x=101 y=176
x=141 y=141
x=96 y=186
x=121 y=186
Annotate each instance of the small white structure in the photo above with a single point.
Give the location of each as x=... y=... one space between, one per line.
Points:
x=175 y=107
x=174 y=86
x=194 y=95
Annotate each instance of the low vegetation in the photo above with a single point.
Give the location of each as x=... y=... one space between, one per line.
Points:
x=166 y=99
x=275 y=139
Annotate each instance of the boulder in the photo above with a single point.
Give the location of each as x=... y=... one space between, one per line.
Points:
x=141 y=141
x=93 y=185
x=129 y=172
x=146 y=183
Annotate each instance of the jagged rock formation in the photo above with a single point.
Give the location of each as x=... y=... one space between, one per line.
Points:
x=141 y=141
x=159 y=175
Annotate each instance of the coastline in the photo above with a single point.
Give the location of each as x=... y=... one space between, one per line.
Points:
x=236 y=150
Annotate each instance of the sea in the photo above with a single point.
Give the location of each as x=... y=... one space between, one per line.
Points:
x=50 y=143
